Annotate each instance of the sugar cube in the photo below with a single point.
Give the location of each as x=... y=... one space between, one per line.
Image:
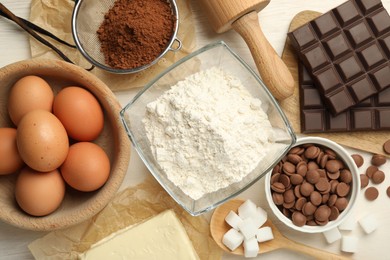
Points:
x=349 y=244
x=260 y=217
x=251 y=247
x=369 y=223
x=232 y=239
x=247 y=209
x=233 y=219
x=332 y=235
x=264 y=234
x=248 y=228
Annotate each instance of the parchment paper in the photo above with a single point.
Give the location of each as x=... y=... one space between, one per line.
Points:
x=131 y=206
x=55 y=16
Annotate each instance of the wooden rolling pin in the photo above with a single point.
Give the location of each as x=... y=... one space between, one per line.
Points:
x=241 y=15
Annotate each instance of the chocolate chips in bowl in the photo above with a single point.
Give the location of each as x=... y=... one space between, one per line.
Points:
x=314 y=187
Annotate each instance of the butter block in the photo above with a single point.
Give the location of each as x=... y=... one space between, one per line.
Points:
x=160 y=237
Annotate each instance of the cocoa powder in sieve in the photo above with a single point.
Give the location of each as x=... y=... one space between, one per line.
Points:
x=134 y=33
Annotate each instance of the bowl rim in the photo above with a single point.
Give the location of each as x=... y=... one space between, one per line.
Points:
x=122 y=146
x=355 y=191
x=140 y=152
x=100 y=65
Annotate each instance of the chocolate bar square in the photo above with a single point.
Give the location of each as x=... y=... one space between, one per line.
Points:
x=373 y=113
x=346 y=52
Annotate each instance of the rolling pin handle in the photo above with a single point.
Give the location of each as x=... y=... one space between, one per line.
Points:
x=272 y=69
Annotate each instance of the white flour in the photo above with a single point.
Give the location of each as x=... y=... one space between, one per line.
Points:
x=207 y=132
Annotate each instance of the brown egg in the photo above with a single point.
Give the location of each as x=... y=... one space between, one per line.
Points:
x=39 y=193
x=10 y=160
x=27 y=94
x=80 y=113
x=42 y=141
x=87 y=166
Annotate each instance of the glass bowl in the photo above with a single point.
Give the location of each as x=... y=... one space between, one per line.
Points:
x=220 y=56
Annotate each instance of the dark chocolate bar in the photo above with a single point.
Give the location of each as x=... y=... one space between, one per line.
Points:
x=371 y=114
x=347 y=51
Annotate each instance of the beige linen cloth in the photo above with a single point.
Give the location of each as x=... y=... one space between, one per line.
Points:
x=55 y=16
x=129 y=207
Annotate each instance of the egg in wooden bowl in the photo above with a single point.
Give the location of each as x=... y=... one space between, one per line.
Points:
x=65 y=152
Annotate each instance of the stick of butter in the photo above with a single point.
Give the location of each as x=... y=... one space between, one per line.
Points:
x=160 y=237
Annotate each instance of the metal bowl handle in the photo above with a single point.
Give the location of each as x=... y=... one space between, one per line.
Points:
x=179 y=45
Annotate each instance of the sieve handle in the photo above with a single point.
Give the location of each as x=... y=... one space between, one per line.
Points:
x=179 y=45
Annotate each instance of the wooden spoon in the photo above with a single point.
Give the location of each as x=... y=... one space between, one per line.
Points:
x=219 y=227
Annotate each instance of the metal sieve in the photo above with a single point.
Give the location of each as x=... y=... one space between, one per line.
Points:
x=87 y=17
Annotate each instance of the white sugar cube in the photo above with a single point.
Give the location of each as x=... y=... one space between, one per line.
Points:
x=264 y=234
x=248 y=228
x=369 y=223
x=247 y=209
x=348 y=224
x=233 y=219
x=260 y=217
x=349 y=244
x=251 y=247
x=332 y=235
x=232 y=239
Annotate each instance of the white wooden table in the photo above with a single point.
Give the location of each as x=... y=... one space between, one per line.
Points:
x=274 y=19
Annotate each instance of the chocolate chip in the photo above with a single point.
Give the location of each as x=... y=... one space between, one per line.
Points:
x=297 y=192
x=316 y=198
x=378 y=177
x=300 y=202
x=371 y=193
x=312 y=152
x=333 y=186
x=278 y=187
x=332 y=154
x=308 y=208
x=306 y=189
x=363 y=180
x=341 y=203
x=298 y=219
x=388 y=191
x=285 y=180
x=370 y=170
x=346 y=176
x=275 y=178
x=386 y=147
x=289 y=196
x=378 y=160
x=333 y=175
x=288 y=168
x=289 y=205
x=342 y=189
x=278 y=198
x=334 y=213
x=332 y=200
x=322 y=213
x=332 y=166
x=325 y=198
x=322 y=185
x=312 y=176
x=294 y=158
x=359 y=160
x=296 y=179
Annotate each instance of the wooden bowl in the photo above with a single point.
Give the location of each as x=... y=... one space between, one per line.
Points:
x=76 y=206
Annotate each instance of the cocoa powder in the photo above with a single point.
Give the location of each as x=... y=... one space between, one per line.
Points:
x=135 y=32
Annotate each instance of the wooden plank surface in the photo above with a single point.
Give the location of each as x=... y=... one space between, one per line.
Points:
x=369 y=141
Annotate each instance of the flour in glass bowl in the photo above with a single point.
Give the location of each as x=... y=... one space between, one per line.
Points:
x=207 y=132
